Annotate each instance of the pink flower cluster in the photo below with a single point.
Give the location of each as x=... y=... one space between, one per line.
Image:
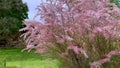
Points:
x=67 y=21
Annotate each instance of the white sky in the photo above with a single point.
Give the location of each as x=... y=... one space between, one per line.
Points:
x=32 y=4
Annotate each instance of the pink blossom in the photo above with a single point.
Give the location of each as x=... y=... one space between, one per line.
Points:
x=68 y=38
x=70 y=23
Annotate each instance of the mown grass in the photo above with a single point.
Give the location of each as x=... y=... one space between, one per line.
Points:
x=14 y=58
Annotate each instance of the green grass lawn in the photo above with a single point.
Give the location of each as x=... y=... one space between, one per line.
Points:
x=14 y=58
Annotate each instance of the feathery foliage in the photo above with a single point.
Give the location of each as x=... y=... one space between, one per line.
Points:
x=82 y=33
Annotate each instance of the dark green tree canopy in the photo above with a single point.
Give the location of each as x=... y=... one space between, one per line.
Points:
x=12 y=14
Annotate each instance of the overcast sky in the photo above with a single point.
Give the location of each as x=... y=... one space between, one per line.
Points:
x=32 y=4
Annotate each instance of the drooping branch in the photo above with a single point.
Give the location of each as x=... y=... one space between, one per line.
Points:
x=97 y=64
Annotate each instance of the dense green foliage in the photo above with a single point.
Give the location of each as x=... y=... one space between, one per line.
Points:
x=117 y=2
x=12 y=14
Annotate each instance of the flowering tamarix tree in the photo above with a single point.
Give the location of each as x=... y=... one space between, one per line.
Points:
x=82 y=33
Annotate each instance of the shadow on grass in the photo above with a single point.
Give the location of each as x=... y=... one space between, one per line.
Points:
x=15 y=54
x=16 y=59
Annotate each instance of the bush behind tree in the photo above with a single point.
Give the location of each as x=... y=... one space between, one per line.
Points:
x=12 y=14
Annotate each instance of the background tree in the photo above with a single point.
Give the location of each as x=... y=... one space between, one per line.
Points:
x=12 y=14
